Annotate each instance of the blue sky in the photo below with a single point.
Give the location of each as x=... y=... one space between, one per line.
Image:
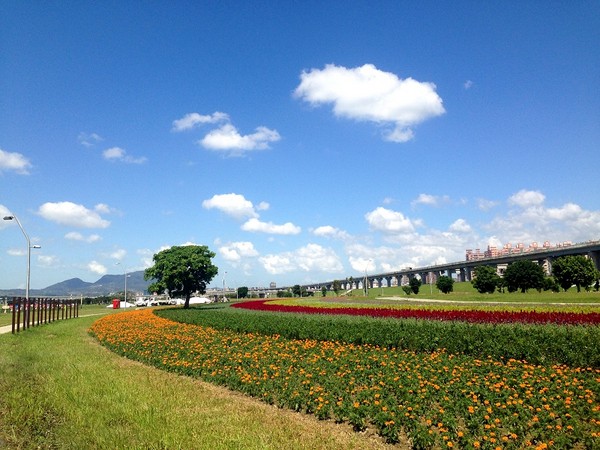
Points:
x=300 y=141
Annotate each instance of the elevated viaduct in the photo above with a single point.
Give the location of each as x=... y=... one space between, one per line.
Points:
x=464 y=270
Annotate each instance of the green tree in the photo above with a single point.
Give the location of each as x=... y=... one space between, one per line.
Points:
x=182 y=270
x=523 y=275
x=407 y=290
x=486 y=279
x=574 y=270
x=550 y=284
x=324 y=291
x=242 y=292
x=414 y=284
x=298 y=290
x=337 y=286
x=445 y=284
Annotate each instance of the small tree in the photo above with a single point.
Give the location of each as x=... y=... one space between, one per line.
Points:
x=550 y=284
x=407 y=289
x=574 y=270
x=298 y=290
x=182 y=270
x=337 y=286
x=486 y=280
x=524 y=275
x=415 y=284
x=445 y=284
x=324 y=291
x=242 y=292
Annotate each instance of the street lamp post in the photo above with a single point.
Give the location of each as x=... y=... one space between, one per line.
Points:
x=29 y=247
x=125 y=293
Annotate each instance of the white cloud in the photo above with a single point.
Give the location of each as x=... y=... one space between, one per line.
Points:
x=525 y=198
x=309 y=258
x=362 y=264
x=278 y=264
x=15 y=162
x=255 y=225
x=72 y=214
x=460 y=226
x=368 y=94
x=16 y=252
x=532 y=221
x=468 y=85
x=75 y=236
x=485 y=205
x=262 y=206
x=119 y=154
x=102 y=208
x=89 y=139
x=330 y=232
x=47 y=260
x=430 y=200
x=192 y=120
x=96 y=267
x=227 y=139
x=119 y=254
x=388 y=221
x=235 y=251
x=234 y=205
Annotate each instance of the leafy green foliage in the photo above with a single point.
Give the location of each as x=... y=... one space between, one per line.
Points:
x=486 y=279
x=574 y=270
x=337 y=286
x=445 y=284
x=523 y=275
x=242 y=292
x=415 y=284
x=182 y=270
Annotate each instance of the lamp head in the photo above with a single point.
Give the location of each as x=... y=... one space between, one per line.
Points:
x=9 y=217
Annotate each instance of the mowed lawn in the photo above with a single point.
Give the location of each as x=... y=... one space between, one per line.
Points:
x=62 y=390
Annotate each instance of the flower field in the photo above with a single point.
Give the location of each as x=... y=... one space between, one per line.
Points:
x=473 y=315
x=431 y=399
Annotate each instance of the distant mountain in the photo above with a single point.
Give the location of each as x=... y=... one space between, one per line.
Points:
x=76 y=287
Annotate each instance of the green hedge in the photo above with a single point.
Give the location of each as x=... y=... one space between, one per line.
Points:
x=577 y=346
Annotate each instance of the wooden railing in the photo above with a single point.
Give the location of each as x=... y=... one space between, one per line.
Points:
x=38 y=311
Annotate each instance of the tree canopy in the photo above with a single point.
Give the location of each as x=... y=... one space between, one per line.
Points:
x=524 y=275
x=415 y=284
x=445 y=284
x=182 y=270
x=574 y=270
x=337 y=286
x=486 y=279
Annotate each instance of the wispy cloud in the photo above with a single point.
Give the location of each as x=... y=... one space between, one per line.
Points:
x=119 y=154
x=227 y=139
x=14 y=162
x=192 y=120
x=89 y=139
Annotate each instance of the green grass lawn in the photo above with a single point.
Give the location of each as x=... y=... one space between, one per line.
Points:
x=61 y=390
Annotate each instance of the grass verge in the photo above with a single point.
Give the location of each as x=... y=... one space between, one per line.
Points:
x=61 y=390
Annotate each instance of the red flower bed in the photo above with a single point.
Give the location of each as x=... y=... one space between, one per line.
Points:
x=473 y=316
